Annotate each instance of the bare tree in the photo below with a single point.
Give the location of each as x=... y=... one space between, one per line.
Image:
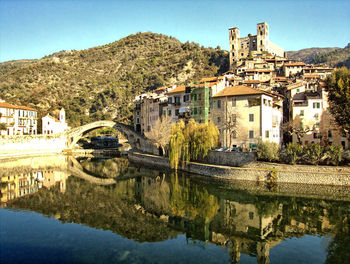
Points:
x=160 y=133
x=296 y=127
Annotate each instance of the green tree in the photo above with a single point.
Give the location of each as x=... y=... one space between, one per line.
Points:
x=268 y=151
x=338 y=87
x=191 y=142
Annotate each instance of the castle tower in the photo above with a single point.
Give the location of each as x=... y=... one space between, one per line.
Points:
x=262 y=37
x=234 y=39
x=62 y=115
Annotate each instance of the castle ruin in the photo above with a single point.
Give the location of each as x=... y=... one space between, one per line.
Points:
x=251 y=46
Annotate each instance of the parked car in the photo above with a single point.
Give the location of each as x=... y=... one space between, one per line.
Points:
x=223 y=149
x=236 y=149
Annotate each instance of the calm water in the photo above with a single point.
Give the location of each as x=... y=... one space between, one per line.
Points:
x=63 y=210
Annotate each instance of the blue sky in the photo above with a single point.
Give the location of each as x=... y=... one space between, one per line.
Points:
x=31 y=29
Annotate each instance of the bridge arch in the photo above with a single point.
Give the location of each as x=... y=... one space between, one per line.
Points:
x=77 y=133
x=136 y=140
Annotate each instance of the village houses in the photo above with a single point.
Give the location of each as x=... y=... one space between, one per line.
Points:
x=262 y=91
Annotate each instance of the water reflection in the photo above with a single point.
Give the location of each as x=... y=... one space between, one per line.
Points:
x=150 y=205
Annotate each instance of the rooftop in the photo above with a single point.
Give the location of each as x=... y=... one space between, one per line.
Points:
x=7 y=105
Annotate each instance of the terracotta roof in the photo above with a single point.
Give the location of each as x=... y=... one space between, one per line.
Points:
x=295 y=64
x=251 y=81
x=7 y=105
x=52 y=117
x=209 y=79
x=311 y=76
x=161 y=88
x=280 y=78
x=259 y=70
x=178 y=89
x=238 y=90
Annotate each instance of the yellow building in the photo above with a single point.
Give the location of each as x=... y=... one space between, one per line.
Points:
x=244 y=115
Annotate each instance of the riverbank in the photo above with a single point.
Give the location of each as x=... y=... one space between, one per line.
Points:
x=258 y=171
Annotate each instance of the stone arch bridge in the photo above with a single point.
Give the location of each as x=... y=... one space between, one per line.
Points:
x=136 y=140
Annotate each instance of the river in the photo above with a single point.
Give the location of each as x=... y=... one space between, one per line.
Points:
x=59 y=209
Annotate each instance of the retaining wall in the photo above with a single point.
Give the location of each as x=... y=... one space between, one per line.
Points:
x=258 y=172
x=32 y=144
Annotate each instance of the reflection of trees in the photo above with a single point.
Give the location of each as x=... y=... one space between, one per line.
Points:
x=99 y=207
x=191 y=200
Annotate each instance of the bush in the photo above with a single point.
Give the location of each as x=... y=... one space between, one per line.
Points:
x=313 y=153
x=334 y=154
x=293 y=152
x=268 y=151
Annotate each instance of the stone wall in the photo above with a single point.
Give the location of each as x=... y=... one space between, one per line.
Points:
x=258 y=172
x=235 y=159
x=32 y=144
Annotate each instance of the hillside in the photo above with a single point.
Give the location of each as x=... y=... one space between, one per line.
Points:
x=335 y=57
x=306 y=55
x=101 y=82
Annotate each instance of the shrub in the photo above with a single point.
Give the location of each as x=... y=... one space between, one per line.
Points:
x=268 y=151
x=293 y=152
x=334 y=154
x=313 y=153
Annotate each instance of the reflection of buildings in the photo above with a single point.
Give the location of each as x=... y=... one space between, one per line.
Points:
x=21 y=184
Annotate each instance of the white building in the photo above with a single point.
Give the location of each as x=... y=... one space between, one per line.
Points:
x=17 y=120
x=51 y=125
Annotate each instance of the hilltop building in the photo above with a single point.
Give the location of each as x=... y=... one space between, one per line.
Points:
x=51 y=125
x=17 y=120
x=252 y=45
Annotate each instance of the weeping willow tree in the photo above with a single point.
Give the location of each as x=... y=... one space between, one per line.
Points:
x=191 y=142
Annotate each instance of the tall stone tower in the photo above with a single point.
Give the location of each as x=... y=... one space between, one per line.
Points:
x=234 y=42
x=262 y=37
x=62 y=115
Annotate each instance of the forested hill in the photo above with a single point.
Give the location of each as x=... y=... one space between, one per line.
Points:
x=335 y=57
x=101 y=82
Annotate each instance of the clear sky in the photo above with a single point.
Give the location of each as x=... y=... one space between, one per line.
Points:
x=31 y=29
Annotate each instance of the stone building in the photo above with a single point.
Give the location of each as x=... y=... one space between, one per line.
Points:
x=252 y=45
x=244 y=115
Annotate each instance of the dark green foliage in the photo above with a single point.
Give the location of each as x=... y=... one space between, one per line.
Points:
x=338 y=87
x=101 y=82
x=293 y=152
x=268 y=151
x=334 y=154
x=313 y=153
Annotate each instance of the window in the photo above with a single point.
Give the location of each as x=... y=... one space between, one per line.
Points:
x=251 y=215
x=169 y=112
x=219 y=119
x=177 y=99
x=301 y=113
x=267 y=134
x=251 y=133
x=316 y=105
x=170 y=100
x=176 y=112
x=329 y=133
x=199 y=97
x=186 y=98
x=251 y=117
x=233 y=102
x=219 y=103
